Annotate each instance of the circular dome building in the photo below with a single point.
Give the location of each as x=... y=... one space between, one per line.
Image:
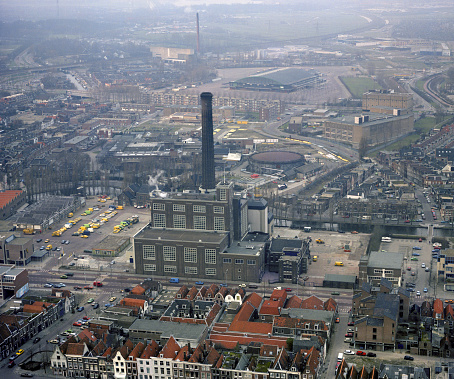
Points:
x=275 y=160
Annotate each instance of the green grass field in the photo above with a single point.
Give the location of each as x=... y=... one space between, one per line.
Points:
x=358 y=85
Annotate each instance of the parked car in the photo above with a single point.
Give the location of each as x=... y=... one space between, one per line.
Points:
x=337 y=321
x=76 y=323
x=350 y=335
x=77 y=287
x=370 y=354
x=95 y=305
x=409 y=358
x=80 y=309
x=359 y=352
x=113 y=298
x=425 y=289
x=418 y=293
x=54 y=341
x=26 y=375
x=20 y=352
x=36 y=340
x=90 y=300
x=415 y=254
x=423 y=265
x=416 y=248
x=11 y=364
x=427 y=269
x=288 y=289
x=349 y=352
x=351 y=323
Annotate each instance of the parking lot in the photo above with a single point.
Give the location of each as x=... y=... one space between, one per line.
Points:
x=74 y=251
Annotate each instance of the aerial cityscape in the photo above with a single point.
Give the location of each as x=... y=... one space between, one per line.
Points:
x=227 y=189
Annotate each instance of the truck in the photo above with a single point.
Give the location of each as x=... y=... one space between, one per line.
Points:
x=340 y=357
x=307 y=229
x=49 y=247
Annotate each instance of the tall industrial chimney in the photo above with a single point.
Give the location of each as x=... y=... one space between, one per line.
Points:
x=208 y=177
x=198 y=36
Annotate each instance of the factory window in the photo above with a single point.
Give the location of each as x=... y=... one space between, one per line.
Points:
x=227 y=260
x=217 y=209
x=251 y=262
x=190 y=270
x=170 y=269
x=210 y=271
x=149 y=252
x=178 y=207
x=159 y=207
x=210 y=256
x=222 y=194
x=200 y=222
x=159 y=220
x=169 y=253
x=219 y=223
x=199 y=208
x=190 y=255
x=179 y=221
x=239 y=261
x=148 y=267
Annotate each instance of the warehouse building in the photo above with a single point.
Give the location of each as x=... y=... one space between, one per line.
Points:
x=279 y=80
x=375 y=128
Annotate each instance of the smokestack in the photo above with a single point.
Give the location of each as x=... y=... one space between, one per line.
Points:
x=207 y=142
x=198 y=36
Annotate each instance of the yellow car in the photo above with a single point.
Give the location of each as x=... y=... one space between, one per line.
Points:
x=20 y=352
x=84 y=236
x=46 y=240
x=113 y=298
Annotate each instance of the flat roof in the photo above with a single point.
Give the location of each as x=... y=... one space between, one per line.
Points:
x=111 y=243
x=386 y=260
x=245 y=248
x=15 y=271
x=374 y=118
x=340 y=278
x=179 y=330
x=5 y=268
x=181 y=235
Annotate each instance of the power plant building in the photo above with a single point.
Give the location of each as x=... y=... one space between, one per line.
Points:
x=279 y=80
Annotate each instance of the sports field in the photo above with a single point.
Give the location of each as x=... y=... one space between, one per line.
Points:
x=358 y=85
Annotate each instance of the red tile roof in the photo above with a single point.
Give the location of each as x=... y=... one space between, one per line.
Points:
x=182 y=292
x=182 y=354
x=231 y=340
x=212 y=291
x=438 y=307
x=88 y=335
x=330 y=305
x=449 y=312
x=312 y=302
x=197 y=355
x=245 y=313
x=129 y=302
x=254 y=299
x=138 y=290
x=287 y=322
x=136 y=352
x=213 y=357
x=151 y=350
x=7 y=196
x=270 y=307
x=171 y=349
x=192 y=293
x=251 y=327
x=75 y=349
x=278 y=295
x=293 y=302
